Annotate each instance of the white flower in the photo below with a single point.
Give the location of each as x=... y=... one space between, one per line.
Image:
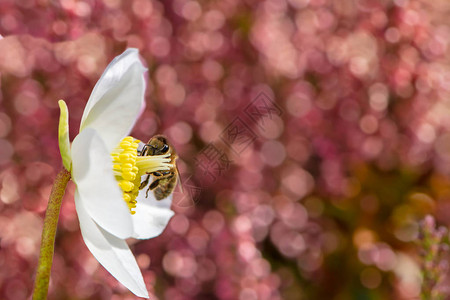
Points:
x=109 y=214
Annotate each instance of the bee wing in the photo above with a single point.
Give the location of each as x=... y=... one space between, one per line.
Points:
x=177 y=175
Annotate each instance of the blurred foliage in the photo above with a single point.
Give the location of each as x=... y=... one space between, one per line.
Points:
x=313 y=138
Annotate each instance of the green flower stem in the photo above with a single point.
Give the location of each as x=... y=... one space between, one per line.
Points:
x=48 y=235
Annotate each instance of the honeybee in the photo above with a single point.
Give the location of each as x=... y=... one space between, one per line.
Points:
x=165 y=181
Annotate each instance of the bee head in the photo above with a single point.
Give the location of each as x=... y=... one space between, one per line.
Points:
x=158 y=145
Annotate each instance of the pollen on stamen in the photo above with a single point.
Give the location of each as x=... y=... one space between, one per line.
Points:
x=125 y=170
x=128 y=168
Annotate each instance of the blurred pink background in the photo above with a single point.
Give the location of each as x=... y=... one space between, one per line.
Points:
x=312 y=134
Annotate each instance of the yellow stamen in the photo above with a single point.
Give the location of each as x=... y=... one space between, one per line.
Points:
x=129 y=167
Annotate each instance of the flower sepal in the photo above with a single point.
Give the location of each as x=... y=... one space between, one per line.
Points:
x=63 y=136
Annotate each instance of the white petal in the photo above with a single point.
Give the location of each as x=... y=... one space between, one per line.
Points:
x=152 y=216
x=111 y=252
x=117 y=99
x=98 y=189
x=111 y=76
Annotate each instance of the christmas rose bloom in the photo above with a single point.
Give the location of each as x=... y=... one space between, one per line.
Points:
x=107 y=171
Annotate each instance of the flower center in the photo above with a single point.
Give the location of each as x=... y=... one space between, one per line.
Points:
x=128 y=168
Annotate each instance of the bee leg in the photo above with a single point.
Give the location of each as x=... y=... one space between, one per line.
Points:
x=145 y=182
x=144 y=150
x=163 y=174
x=152 y=186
